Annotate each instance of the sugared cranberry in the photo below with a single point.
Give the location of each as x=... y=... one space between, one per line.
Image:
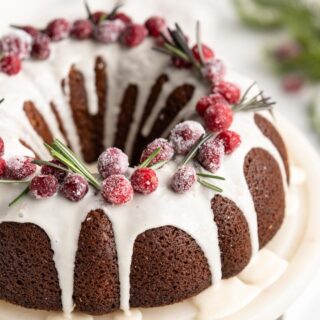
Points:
x=10 y=65
x=207 y=101
x=2 y=167
x=293 y=82
x=218 y=117
x=74 y=187
x=181 y=63
x=81 y=29
x=287 y=51
x=17 y=44
x=133 y=35
x=166 y=151
x=43 y=186
x=144 y=180
x=58 y=29
x=41 y=47
x=19 y=168
x=155 y=26
x=109 y=31
x=32 y=31
x=214 y=71
x=123 y=17
x=210 y=154
x=230 y=139
x=229 y=91
x=58 y=173
x=183 y=179
x=112 y=161
x=1 y=147
x=117 y=189
x=207 y=53
x=98 y=17
x=184 y=135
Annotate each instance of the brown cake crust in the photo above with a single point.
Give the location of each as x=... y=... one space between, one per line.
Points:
x=268 y=129
x=265 y=183
x=167 y=266
x=234 y=236
x=28 y=276
x=96 y=282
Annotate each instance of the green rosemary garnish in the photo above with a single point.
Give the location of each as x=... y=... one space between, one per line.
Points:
x=14 y=181
x=105 y=17
x=145 y=163
x=19 y=197
x=257 y=103
x=62 y=153
x=209 y=185
x=1 y=100
x=158 y=165
x=209 y=175
x=49 y=164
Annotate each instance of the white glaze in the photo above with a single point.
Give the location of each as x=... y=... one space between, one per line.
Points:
x=40 y=83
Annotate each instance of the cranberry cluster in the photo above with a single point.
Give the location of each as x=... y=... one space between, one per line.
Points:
x=30 y=42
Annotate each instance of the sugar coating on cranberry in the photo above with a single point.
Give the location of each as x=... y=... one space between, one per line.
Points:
x=81 y=29
x=229 y=91
x=57 y=173
x=17 y=43
x=58 y=29
x=207 y=101
x=43 y=186
x=19 y=168
x=230 y=139
x=2 y=167
x=117 y=189
x=123 y=17
x=183 y=179
x=210 y=154
x=41 y=47
x=112 y=161
x=1 y=147
x=207 y=53
x=218 y=117
x=109 y=31
x=166 y=151
x=133 y=35
x=10 y=65
x=214 y=70
x=74 y=187
x=184 y=135
x=155 y=25
x=144 y=180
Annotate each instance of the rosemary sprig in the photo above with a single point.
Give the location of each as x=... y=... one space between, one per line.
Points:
x=109 y=16
x=209 y=175
x=19 y=197
x=199 y=43
x=158 y=165
x=114 y=11
x=209 y=185
x=14 y=181
x=1 y=100
x=61 y=152
x=50 y=164
x=145 y=163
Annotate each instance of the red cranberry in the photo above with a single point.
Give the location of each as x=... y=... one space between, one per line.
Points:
x=229 y=91
x=183 y=179
x=218 y=117
x=155 y=26
x=81 y=29
x=58 y=29
x=144 y=180
x=58 y=173
x=184 y=135
x=74 y=187
x=32 y=31
x=210 y=154
x=133 y=35
x=181 y=63
x=117 y=189
x=230 y=139
x=1 y=147
x=10 y=65
x=207 y=101
x=41 y=47
x=43 y=187
x=214 y=71
x=98 y=17
x=287 y=51
x=166 y=153
x=2 y=167
x=109 y=31
x=19 y=168
x=17 y=44
x=123 y=17
x=207 y=53
x=293 y=82
x=112 y=161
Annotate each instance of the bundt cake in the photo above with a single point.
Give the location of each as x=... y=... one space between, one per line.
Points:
x=166 y=239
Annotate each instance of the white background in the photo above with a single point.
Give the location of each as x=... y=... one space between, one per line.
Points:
x=242 y=48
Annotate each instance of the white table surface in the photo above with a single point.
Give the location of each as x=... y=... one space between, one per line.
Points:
x=241 y=47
